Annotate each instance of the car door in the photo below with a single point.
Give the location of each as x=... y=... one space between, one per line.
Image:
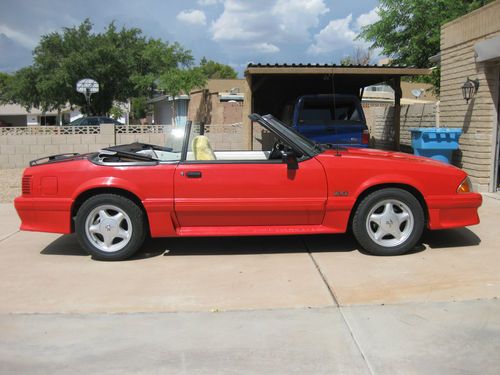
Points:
x=232 y=193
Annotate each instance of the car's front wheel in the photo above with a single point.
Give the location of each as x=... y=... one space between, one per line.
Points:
x=110 y=227
x=388 y=222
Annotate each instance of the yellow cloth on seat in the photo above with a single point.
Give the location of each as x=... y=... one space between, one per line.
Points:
x=202 y=149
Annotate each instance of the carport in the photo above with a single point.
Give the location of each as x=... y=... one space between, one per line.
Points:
x=272 y=87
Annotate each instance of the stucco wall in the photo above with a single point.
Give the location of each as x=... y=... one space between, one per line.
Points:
x=206 y=107
x=478 y=118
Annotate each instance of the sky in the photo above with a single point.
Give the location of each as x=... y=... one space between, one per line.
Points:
x=233 y=32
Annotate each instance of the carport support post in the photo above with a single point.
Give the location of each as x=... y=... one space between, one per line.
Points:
x=396 y=85
x=247 y=110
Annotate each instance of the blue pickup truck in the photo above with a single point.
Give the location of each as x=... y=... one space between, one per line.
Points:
x=331 y=118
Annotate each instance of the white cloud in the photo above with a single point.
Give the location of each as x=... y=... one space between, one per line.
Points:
x=296 y=17
x=367 y=18
x=342 y=33
x=265 y=48
x=205 y=3
x=334 y=36
x=263 y=25
x=194 y=17
x=28 y=41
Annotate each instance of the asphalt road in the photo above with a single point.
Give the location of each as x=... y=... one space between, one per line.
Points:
x=310 y=304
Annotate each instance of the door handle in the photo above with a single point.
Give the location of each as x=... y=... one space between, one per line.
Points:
x=193 y=174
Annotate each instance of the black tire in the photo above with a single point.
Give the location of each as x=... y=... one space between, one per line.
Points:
x=365 y=231
x=133 y=223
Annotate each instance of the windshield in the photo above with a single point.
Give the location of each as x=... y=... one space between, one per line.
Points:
x=78 y=121
x=307 y=145
x=168 y=148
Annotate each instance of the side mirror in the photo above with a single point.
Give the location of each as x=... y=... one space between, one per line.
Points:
x=290 y=158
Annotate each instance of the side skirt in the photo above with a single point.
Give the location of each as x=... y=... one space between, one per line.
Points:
x=254 y=230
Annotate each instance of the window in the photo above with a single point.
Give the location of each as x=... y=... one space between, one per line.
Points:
x=226 y=145
x=325 y=112
x=48 y=120
x=90 y=121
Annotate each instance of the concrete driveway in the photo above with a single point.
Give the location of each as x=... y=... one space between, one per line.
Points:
x=275 y=304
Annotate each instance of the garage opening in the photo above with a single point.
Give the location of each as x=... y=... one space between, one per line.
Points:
x=275 y=88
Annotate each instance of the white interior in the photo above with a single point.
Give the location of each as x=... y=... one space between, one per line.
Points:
x=220 y=155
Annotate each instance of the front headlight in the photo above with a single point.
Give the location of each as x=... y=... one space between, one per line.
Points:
x=465 y=186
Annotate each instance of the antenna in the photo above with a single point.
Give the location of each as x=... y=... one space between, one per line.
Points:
x=87 y=87
x=333 y=95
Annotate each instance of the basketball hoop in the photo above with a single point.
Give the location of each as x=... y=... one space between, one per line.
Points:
x=87 y=87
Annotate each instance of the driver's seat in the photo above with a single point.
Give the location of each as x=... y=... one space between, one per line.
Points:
x=202 y=149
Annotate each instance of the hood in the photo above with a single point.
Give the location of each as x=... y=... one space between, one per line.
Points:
x=373 y=154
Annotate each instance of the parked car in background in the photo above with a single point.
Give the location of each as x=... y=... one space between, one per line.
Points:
x=94 y=120
x=331 y=119
x=116 y=197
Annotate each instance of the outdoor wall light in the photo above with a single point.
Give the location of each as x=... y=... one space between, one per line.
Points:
x=469 y=88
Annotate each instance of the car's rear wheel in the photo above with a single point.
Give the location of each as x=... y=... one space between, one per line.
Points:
x=388 y=222
x=110 y=227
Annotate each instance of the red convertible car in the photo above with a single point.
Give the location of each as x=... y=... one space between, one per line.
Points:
x=116 y=197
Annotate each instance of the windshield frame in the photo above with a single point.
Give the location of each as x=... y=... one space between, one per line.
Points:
x=288 y=134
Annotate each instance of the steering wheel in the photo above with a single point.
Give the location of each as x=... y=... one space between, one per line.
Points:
x=277 y=151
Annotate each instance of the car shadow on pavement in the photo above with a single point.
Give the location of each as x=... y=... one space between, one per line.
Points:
x=257 y=245
x=445 y=238
x=64 y=245
x=199 y=246
x=68 y=245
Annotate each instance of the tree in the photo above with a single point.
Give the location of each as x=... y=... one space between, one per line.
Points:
x=409 y=30
x=123 y=62
x=116 y=112
x=139 y=106
x=5 y=82
x=20 y=88
x=359 y=57
x=212 y=69
x=175 y=82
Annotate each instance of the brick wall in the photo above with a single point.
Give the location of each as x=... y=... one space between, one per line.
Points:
x=225 y=137
x=412 y=116
x=478 y=118
x=20 y=145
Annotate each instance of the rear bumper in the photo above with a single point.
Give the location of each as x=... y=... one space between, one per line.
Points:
x=451 y=211
x=44 y=214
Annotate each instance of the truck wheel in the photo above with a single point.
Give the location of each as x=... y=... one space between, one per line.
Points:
x=388 y=222
x=110 y=227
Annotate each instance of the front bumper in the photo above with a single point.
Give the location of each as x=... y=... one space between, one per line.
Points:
x=44 y=214
x=451 y=211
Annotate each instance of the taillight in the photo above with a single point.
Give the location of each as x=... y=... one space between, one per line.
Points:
x=365 y=138
x=465 y=186
x=26 y=185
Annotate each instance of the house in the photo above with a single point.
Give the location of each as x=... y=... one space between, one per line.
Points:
x=470 y=56
x=219 y=102
x=17 y=115
x=168 y=110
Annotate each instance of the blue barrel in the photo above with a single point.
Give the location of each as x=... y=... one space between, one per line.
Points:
x=435 y=143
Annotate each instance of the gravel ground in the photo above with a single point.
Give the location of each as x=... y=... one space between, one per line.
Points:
x=10 y=184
